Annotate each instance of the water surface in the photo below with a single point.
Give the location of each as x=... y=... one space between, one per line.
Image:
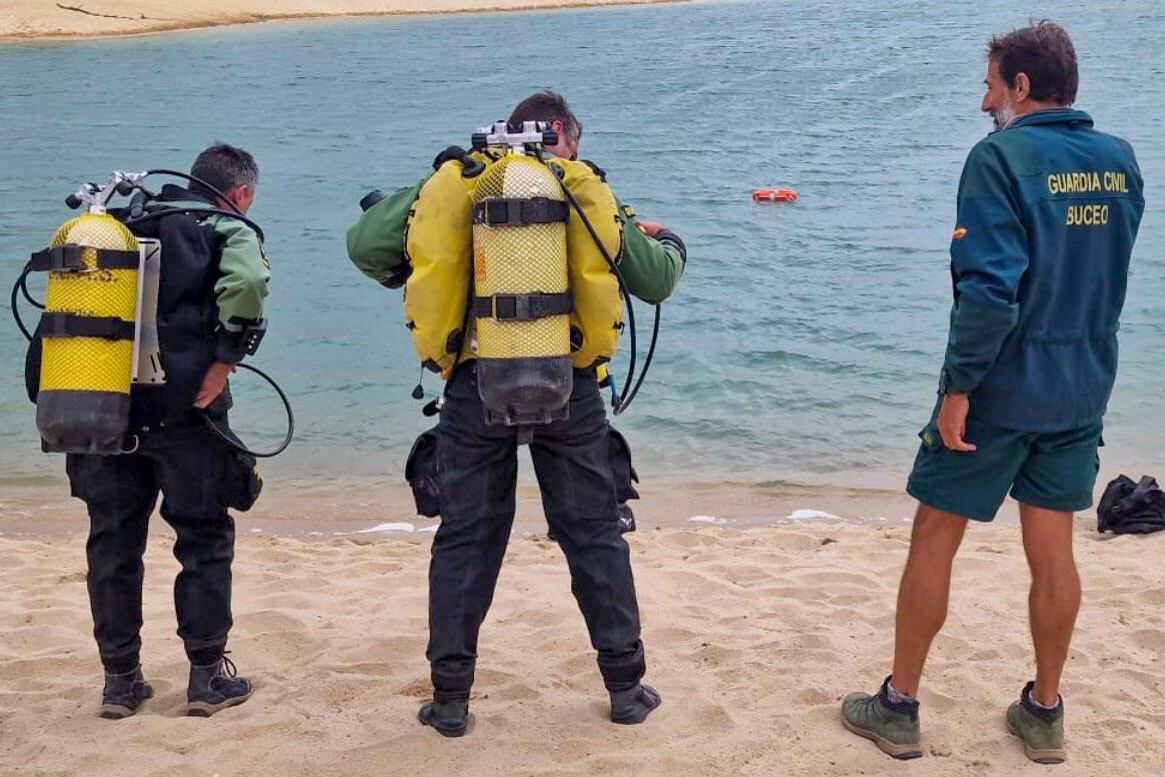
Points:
x=805 y=340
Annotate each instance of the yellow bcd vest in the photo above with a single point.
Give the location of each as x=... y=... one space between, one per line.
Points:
x=439 y=247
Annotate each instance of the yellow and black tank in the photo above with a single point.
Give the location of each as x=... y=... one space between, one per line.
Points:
x=522 y=300
x=87 y=330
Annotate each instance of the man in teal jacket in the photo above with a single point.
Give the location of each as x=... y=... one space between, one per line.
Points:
x=478 y=467
x=1048 y=210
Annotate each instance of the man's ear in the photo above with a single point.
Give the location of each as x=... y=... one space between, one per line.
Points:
x=241 y=196
x=1023 y=87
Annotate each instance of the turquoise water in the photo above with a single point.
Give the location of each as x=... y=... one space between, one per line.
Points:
x=804 y=342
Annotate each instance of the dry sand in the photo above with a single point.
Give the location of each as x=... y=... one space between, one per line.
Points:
x=753 y=636
x=32 y=19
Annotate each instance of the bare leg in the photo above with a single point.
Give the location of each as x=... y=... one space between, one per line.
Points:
x=924 y=592
x=1055 y=594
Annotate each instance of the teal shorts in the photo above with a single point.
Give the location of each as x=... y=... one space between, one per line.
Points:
x=1052 y=470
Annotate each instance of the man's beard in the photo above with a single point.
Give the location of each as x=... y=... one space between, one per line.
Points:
x=1004 y=116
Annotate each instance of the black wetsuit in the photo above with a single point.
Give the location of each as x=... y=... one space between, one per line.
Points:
x=478 y=478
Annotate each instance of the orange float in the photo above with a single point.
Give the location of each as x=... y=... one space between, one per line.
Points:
x=775 y=195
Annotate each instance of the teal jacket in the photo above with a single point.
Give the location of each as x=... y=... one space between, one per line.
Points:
x=651 y=268
x=1048 y=210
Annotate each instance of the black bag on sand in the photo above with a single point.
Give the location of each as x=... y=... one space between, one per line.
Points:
x=1131 y=508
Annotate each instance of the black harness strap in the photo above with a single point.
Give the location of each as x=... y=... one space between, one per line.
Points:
x=67 y=258
x=515 y=212
x=72 y=325
x=523 y=307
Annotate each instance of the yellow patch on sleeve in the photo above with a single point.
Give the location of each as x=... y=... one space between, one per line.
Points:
x=959 y=234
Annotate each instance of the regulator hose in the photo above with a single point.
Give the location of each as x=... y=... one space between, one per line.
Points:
x=229 y=437
x=21 y=285
x=631 y=387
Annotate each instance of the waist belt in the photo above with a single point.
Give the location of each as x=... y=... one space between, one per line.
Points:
x=514 y=212
x=67 y=258
x=72 y=325
x=523 y=307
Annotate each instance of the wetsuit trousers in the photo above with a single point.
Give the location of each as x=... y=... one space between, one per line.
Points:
x=478 y=469
x=188 y=465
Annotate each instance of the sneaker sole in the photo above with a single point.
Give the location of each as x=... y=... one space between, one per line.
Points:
x=202 y=709
x=892 y=749
x=115 y=712
x=1052 y=755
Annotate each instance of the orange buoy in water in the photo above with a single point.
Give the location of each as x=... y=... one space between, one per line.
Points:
x=775 y=195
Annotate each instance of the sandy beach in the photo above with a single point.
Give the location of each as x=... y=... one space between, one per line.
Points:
x=49 y=19
x=753 y=636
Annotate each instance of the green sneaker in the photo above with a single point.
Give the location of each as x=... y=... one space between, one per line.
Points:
x=893 y=727
x=1042 y=730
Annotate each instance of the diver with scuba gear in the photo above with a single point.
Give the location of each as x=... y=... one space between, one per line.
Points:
x=198 y=311
x=516 y=260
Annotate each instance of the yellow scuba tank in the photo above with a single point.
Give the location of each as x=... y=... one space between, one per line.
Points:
x=87 y=334
x=522 y=301
x=489 y=225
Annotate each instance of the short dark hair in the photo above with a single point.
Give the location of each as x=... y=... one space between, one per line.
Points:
x=225 y=167
x=1045 y=52
x=547 y=106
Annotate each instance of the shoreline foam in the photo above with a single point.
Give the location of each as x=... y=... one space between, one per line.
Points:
x=322 y=510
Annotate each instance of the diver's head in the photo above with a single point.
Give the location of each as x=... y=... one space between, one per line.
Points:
x=551 y=108
x=232 y=171
x=1029 y=69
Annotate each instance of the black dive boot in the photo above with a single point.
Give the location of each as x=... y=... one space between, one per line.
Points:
x=215 y=687
x=448 y=718
x=124 y=694
x=634 y=704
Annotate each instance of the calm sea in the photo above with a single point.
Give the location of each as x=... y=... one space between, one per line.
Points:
x=804 y=342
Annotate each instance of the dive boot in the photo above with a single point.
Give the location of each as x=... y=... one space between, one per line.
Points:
x=1042 y=730
x=893 y=727
x=634 y=704
x=124 y=694
x=215 y=687
x=448 y=718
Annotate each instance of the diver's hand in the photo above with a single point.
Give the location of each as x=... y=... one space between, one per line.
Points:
x=213 y=384
x=650 y=228
x=952 y=422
